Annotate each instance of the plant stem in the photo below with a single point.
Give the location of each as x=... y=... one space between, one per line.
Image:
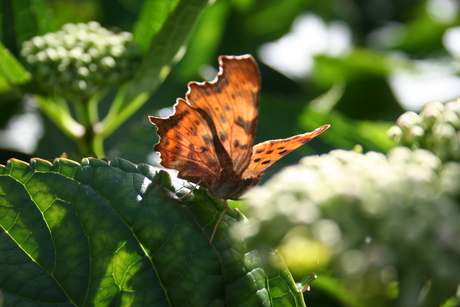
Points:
x=87 y=114
x=57 y=111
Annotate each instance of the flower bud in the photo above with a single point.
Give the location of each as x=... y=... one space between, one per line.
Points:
x=408 y=119
x=86 y=54
x=395 y=133
x=432 y=113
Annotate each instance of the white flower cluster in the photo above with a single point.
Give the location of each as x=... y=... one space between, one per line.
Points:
x=81 y=59
x=364 y=215
x=436 y=128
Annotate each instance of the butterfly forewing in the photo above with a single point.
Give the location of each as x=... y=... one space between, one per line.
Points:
x=266 y=153
x=231 y=101
x=186 y=143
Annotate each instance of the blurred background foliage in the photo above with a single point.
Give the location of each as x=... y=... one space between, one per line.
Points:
x=355 y=64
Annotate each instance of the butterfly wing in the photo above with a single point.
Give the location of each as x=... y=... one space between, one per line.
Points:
x=266 y=153
x=186 y=143
x=230 y=104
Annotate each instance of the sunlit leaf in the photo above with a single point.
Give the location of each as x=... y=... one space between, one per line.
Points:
x=152 y=18
x=282 y=286
x=115 y=233
x=347 y=133
x=205 y=40
x=11 y=69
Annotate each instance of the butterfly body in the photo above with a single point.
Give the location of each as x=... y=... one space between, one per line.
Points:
x=224 y=187
x=210 y=137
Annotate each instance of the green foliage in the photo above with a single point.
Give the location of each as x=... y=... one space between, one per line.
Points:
x=100 y=233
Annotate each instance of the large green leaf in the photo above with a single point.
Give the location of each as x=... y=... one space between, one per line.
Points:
x=116 y=233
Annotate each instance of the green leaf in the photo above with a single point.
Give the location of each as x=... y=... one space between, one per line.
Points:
x=346 y=132
x=152 y=17
x=166 y=47
x=116 y=233
x=205 y=40
x=282 y=287
x=360 y=62
x=11 y=69
x=335 y=289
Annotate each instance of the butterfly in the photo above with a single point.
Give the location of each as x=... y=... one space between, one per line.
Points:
x=209 y=138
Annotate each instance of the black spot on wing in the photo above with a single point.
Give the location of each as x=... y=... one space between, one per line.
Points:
x=223 y=81
x=284 y=152
x=207 y=91
x=237 y=144
x=218 y=87
x=256 y=160
x=246 y=125
x=207 y=139
x=266 y=162
x=222 y=118
x=222 y=137
x=193 y=131
x=269 y=152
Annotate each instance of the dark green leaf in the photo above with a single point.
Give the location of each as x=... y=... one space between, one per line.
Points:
x=115 y=233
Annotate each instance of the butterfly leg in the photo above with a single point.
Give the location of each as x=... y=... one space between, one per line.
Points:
x=191 y=190
x=219 y=221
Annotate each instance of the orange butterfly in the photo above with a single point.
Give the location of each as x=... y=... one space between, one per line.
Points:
x=210 y=137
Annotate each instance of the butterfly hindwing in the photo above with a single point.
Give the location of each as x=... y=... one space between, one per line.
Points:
x=231 y=103
x=266 y=153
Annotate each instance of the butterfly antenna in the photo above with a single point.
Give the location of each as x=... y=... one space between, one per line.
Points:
x=219 y=221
